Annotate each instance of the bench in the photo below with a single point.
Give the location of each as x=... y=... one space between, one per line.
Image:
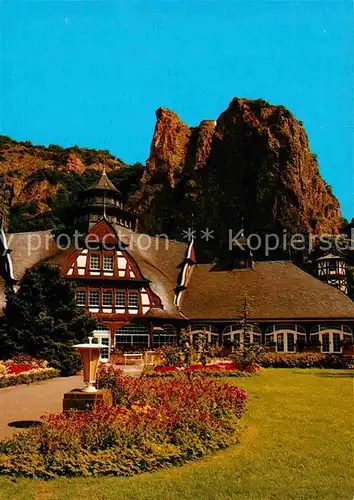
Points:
x=136 y=355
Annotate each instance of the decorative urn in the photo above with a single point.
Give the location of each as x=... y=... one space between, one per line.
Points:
x=90 y=355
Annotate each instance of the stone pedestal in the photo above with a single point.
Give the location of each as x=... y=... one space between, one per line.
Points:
x=86 y=401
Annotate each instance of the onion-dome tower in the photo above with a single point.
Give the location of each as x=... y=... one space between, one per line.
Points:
x=104 y=200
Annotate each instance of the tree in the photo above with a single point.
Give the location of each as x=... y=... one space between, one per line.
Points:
x=42 y=319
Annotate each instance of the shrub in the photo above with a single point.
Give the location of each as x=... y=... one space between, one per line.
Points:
x=28 y=377
x=304 y=360
x=154 y=423
x=248 y=355
x=24 y=369
x=221 y=369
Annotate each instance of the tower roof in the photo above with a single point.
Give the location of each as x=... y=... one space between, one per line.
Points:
x=331 y=256
x=104 y=184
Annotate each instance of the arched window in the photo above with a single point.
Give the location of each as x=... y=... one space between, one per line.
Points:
x=132 y=337
x=164 y=335
x=286 y=337
x=240 y=336
x=331 y=337
x=209 y=331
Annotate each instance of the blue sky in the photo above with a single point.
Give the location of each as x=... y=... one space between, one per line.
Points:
x=92 y=73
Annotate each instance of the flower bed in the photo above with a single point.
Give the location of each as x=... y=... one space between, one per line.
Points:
x=305 y=360
x=218 y=369
x=153 y=423
x=24 y=370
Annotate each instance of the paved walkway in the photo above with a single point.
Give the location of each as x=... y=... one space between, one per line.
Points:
x=30 y=402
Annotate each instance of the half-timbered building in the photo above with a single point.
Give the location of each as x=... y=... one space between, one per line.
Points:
x=143 y=290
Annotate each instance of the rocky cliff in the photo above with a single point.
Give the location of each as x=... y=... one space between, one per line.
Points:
x=252 y=163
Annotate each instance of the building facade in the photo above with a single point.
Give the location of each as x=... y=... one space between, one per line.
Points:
x=143 y=290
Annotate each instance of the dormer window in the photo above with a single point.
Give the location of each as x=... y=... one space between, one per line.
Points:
x=94 y=261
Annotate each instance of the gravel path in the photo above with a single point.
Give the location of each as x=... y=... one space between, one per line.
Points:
x=30 y=402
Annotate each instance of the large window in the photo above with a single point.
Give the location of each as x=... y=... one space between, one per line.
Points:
x=81 y=297
x=204 y=333
x=164 y=335
x=239 y=336
x=132 y=337
x=331 y=337
x=286 y=337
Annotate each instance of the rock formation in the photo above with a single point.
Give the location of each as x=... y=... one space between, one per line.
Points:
x=253 y=163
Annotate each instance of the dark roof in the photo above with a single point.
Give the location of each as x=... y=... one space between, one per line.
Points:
x=155 y=312
x=27 y=249
x=274 y=290
x=331 y=256
x=104 y=184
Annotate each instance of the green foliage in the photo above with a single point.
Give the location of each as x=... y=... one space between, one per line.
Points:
x=171 y=355
x=29 y=378
x=42 y=320
x=248 y=355
x=305 y=360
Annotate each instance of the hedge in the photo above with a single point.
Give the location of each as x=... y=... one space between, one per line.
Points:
x=305 y=360
x=28 y=377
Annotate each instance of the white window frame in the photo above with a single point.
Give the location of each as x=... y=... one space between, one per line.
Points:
x=108 y=258
x=166 y=335
x=103 y=334
x=95 y=267
x=120 y=293
x=105 y=294
x=343 y=330
x=208 y=330
x=135 y=294
x=237 y=330
x=132 y=330
x=84 y=295
x=95 y=293
x=271 y=335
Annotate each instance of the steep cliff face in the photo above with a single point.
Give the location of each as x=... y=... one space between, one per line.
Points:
x=261 y=160
x=253 y=163
x=176 y=148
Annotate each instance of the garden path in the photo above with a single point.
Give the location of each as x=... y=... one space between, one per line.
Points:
x=30 y=402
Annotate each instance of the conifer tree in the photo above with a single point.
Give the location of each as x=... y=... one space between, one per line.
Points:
x=41 y=319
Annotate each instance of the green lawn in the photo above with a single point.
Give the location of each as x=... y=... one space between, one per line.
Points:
x=298 y=445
